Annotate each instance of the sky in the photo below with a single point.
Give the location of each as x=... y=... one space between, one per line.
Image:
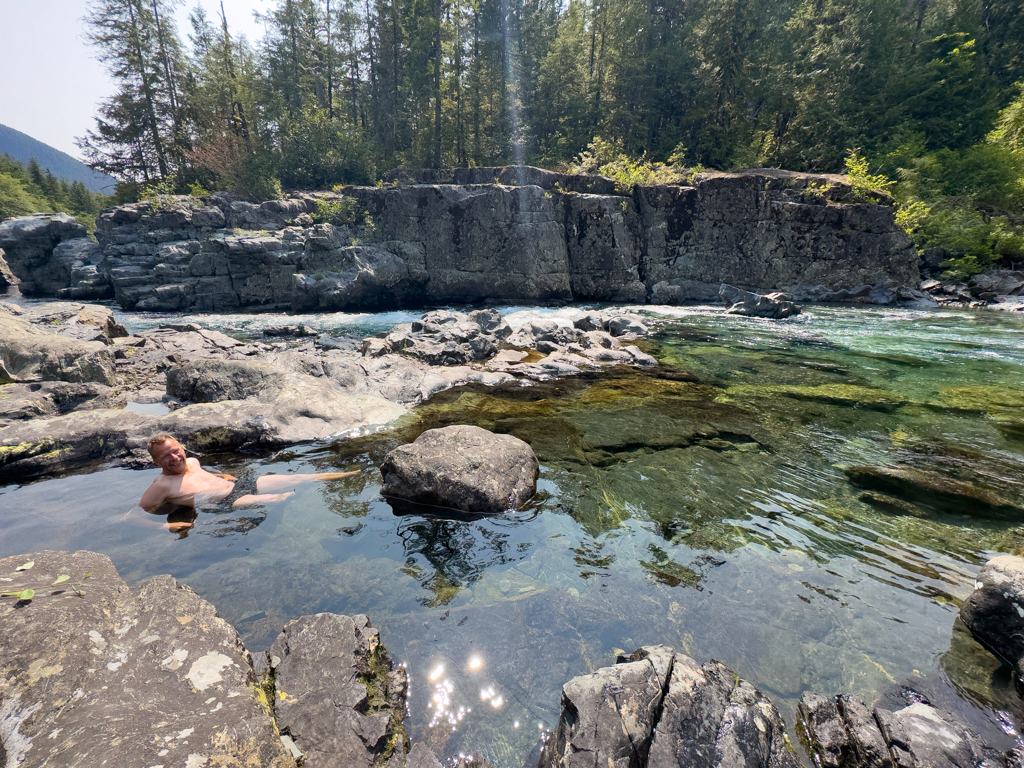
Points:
x=50 y=82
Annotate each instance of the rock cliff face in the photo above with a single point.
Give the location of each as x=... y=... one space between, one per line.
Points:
x=468 y=235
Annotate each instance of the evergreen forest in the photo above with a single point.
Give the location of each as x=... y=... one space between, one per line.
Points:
x=30 y=189
x=922 y=98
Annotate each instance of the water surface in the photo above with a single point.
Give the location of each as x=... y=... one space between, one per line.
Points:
x=701 y=504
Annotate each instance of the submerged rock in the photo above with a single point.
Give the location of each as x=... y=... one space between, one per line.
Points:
x=994 y=611
x=935 y=490
x=773 y=306
x=661 y=709
x=90 y=663
x=464 y=468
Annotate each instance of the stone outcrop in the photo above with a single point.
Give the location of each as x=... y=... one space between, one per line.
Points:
x=994 y=612
x=467 y=235
x=50 y=255
x=461 y=467
x=773 y=306
x=842 y=732
x=661 y=709
x=28 y=354
x=339 y=698
x=226 y=394
x=90 y=664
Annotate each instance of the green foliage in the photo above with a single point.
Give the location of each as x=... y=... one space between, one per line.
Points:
x=341 y=92
x=865 y=184
x=27 y=190
x=341 y=212
x=317 y=152
x=16 y=200
x=606 y=158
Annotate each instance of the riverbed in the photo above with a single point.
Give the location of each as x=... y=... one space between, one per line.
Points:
x=701 y=504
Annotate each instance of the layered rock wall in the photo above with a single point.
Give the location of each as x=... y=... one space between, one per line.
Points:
x=468 y=235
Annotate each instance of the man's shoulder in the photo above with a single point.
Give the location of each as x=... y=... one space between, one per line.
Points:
x=193 y=463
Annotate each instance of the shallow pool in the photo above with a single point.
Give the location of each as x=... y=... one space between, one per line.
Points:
x=701 y=504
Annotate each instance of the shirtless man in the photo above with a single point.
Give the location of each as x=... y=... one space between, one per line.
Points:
x=184 y=483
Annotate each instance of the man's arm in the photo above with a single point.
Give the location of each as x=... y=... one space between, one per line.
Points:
x=154 y=496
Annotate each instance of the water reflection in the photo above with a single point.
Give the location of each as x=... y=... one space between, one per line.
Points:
x=445 y=556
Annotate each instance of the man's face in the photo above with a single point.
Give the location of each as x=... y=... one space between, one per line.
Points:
x=170 y=457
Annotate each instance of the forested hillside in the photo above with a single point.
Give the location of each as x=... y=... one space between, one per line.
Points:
x=24 y=148
x=921 y=96
x=25 y=190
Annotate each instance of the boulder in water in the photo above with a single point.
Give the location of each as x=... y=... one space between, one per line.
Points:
x=994 y=612
x=773 y=306
x=661 y=709
x=464 y=468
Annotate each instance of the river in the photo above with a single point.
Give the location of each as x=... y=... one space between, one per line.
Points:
x=701 y=504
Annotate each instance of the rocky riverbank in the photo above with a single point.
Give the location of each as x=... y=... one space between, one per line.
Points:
x=68 y=372
x=92 y=663
x=498 y=234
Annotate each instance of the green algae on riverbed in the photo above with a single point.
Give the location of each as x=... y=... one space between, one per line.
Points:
x=702 y=504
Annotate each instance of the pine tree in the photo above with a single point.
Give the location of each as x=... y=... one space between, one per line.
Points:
x=140 y=134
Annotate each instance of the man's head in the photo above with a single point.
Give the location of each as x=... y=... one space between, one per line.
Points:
x=167 y=454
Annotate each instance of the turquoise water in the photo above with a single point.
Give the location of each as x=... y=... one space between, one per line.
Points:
x=701 y=504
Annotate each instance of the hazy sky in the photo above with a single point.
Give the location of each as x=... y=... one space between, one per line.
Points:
x=49 y=81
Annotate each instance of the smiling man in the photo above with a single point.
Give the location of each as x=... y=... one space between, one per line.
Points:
x=184 y=483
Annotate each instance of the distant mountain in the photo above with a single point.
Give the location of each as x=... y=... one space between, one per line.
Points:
x=23 y=148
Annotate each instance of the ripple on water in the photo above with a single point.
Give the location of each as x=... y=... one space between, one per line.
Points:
x=702 y=505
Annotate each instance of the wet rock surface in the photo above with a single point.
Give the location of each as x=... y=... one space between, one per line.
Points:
x=518 y=234
x=661 y=708
x=90 y=664
x=773 y=306
x=464 y=468
x=994 y=612
x=842 y=732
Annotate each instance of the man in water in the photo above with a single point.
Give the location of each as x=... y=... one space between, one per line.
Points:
x=184 y=483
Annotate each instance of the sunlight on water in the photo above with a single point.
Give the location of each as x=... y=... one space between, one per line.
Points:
x=703 y=504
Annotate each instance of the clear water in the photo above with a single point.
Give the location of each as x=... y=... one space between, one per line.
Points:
x=701 y=505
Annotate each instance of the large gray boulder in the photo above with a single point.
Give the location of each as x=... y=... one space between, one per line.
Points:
x=339 y=697
x=464 y=468
x=658 y=708
x=211 y=380
x=843 y=733
x=994 y=611
x=90 y=664
x=28 y=353
x=773 y=306
x=29 y=242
